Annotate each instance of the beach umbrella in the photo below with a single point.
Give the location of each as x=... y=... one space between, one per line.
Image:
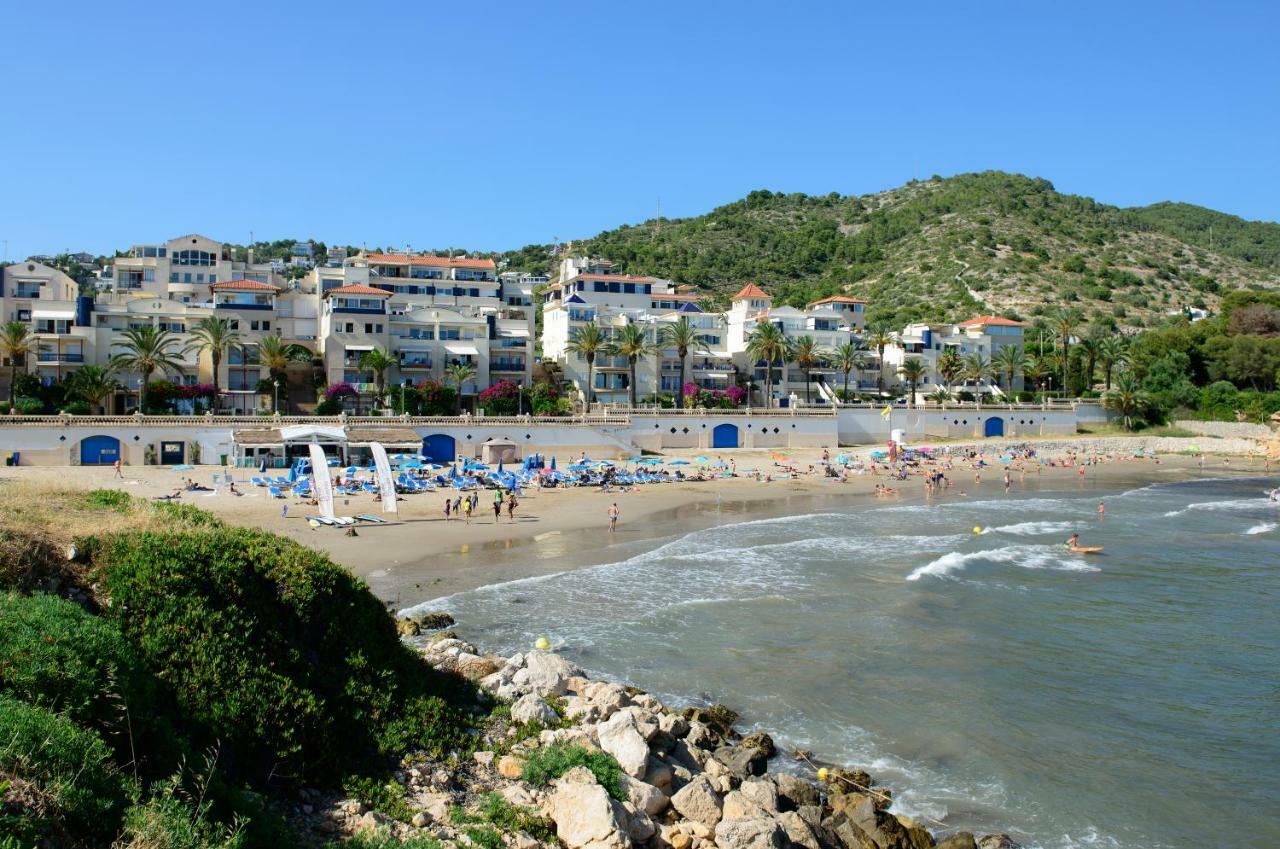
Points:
x=579 y=467
x=553 y=463
x=654 y=461
x=499 y=465
x=183 y=467
x=700 y=460
x=636 y=460
x=678 y=463
x=720 y=464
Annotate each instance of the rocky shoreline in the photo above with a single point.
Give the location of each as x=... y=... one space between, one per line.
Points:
x=625 y=771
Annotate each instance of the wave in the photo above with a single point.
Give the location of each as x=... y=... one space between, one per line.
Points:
x=1234 y=504
x=1262 y=528
x=1030 y=529
x=1025 y=556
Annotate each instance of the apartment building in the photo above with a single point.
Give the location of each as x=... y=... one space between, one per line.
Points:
x=983 y=335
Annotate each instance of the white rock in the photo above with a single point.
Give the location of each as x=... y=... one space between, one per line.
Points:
x=699 y=735
x=738 y=806
x=608 y=696
x=761 y=833
x=583 y=812
x=618 y=736
x=676 y=726
x=762 y=792
x=648 y=702
x=658 y=773
x=532 y=708
x=699 y=801
x=799 y=832
x=645 y=797
x=544 y=673
x=484 y=758
x=518 y=794
x=640 y=826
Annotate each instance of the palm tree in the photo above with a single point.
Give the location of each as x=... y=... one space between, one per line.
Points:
x=459 y=373
x=1113 y=352
x=217 y=336
x=1090 y=347
x=913 y=371
x=847 y=357
x=767 y=342
x=1009 y=360
x=950 y=366
x=682 y=335
x=276 y=354
x=146 y=350
x=879 y=336
x=377 y=361
x=15 y=343
x=807 y=354
x=93 y=385
x=1064 y=321
x=1035 y=369
x=633 y=342
x=590 y=341
x=1126 y=399
x=977 y=367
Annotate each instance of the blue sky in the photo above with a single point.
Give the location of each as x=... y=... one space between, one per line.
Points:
x=493 y=125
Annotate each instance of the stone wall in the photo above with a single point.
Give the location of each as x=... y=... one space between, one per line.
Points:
x=1227 y=430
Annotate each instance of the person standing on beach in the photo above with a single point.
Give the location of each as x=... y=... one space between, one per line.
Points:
x=448 y=508
x=613 y=517
x=1008 y=481
x=116 y=466
x=466 y=511
x=511 y=506
x=497 y=505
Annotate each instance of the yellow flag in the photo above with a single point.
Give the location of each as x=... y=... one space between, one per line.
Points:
x=885 y=412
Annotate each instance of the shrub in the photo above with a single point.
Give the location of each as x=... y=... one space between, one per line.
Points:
x=77 y=408
x=338 y=391
x=382 y=840
x=501 y=399
x=68 y=766
x=110 y=499
x=555 y=760
x=494 y=810
x=276 y=652
x=29 y=406
x=329 y=407
x=58 y=657
x=167 y=820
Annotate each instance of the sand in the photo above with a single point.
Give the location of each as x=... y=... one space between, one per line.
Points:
x=419 y=555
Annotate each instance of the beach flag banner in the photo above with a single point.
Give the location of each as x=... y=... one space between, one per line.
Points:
x=386 y=483
x=884 y=414
x=320 y=481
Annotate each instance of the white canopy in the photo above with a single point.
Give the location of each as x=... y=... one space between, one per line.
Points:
x=59 y=314
x=462 y=349
x=306 y=433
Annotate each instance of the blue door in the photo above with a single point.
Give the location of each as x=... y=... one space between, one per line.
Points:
x=993 y=427
x=99 y=451
x=439 y=448
x=724 y=436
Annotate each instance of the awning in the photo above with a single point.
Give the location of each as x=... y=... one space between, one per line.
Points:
x=305 y=433
x=57 y=314
x=358 y=347
x=513 y=332
x=257 y=437
x=404 y=349
x=398 y=436
x=461 y=349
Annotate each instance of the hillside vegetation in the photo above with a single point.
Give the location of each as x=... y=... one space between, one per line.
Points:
x=946 y=248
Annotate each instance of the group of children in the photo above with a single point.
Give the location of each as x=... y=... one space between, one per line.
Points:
x=466 y=505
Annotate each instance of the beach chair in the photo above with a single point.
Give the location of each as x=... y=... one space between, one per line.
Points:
x=275 y=492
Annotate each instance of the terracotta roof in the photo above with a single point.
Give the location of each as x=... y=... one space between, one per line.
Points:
x=838 y=299
x=357 y=289
x=751 y=290
x=243 y=286
x=428 y=259
x=990 y=319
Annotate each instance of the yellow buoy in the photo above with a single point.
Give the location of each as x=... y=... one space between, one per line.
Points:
x=822 y=773
x=977 y=529
x=542 y=644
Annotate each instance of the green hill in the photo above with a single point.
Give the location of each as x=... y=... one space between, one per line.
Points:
x=945 y=248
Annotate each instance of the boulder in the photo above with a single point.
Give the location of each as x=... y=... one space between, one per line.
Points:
x=699 y=734
x=645 y=797
x=916 y=836
x=518 y=794
x=608 y=697
x=699 y=801
x=849 y=833
x=475 y=667
x=640 y=826
x=533 y=708
x=798 y=831
x=755 y=833
x=795 y=792
x=680 y=840
x=676 y=726
x=762 y=792
x=959 y=840
x=718 y=718
x=432 y=621
x=761 y=741
x=743 y=761
x=998 y=841
x=618 y=736
x=738 y=807
x=510 y=767
x=485 y=759
x=660 y=775
x=583 y=812
x=408 y=628
x=544 y=673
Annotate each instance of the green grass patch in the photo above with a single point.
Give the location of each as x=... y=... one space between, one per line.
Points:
x=384 y=841
x=384 y=797
x=549 y=763
x=110 y=499
x=494 y=810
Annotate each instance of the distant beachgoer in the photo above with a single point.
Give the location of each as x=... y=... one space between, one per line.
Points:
x=613 y=517
x=116 y=466
x=1008 y=481
x=466 y=511
x=284 y=511
x=497 y=505
x=511 y=507
x=1102 y=509
x=1074 y=542
x=448 y=509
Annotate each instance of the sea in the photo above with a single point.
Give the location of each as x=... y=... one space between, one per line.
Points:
x=960 y=654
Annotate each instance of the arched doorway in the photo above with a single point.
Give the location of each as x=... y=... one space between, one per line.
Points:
x=724 y=436
x=99 y=450
x=440 y=448
x=994 y=426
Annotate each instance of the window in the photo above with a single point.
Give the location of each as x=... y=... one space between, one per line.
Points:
x=350 y=328
x=629 y=288
x=186 y=277
x=149 y=275
x=260 y=325
x=173 y=277
x=235 y=324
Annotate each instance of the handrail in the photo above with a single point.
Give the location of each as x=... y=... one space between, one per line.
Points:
x=269 y=421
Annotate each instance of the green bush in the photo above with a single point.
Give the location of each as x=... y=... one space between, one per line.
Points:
x=167 y=820
x=280 y=655
x=494 y=810
x=555 y=760
x=379 y=840
x=69 y=766
x=110 y=499
x=29 y=406
x=329 y=407
x=77 y=408
x=61 y=658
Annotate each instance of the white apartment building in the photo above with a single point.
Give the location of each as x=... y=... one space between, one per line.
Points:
x=983 y=335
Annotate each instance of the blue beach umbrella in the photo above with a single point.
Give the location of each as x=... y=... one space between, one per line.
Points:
x=553 y=462
x=678 y=463
x=499 y=466
x=700 y=460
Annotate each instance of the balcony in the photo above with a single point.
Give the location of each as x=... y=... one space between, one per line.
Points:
x=59 y=357
x=415 y=364
x=27 y=292
x=507 y=365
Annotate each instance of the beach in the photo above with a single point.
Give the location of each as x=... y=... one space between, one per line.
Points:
x=418 y=555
